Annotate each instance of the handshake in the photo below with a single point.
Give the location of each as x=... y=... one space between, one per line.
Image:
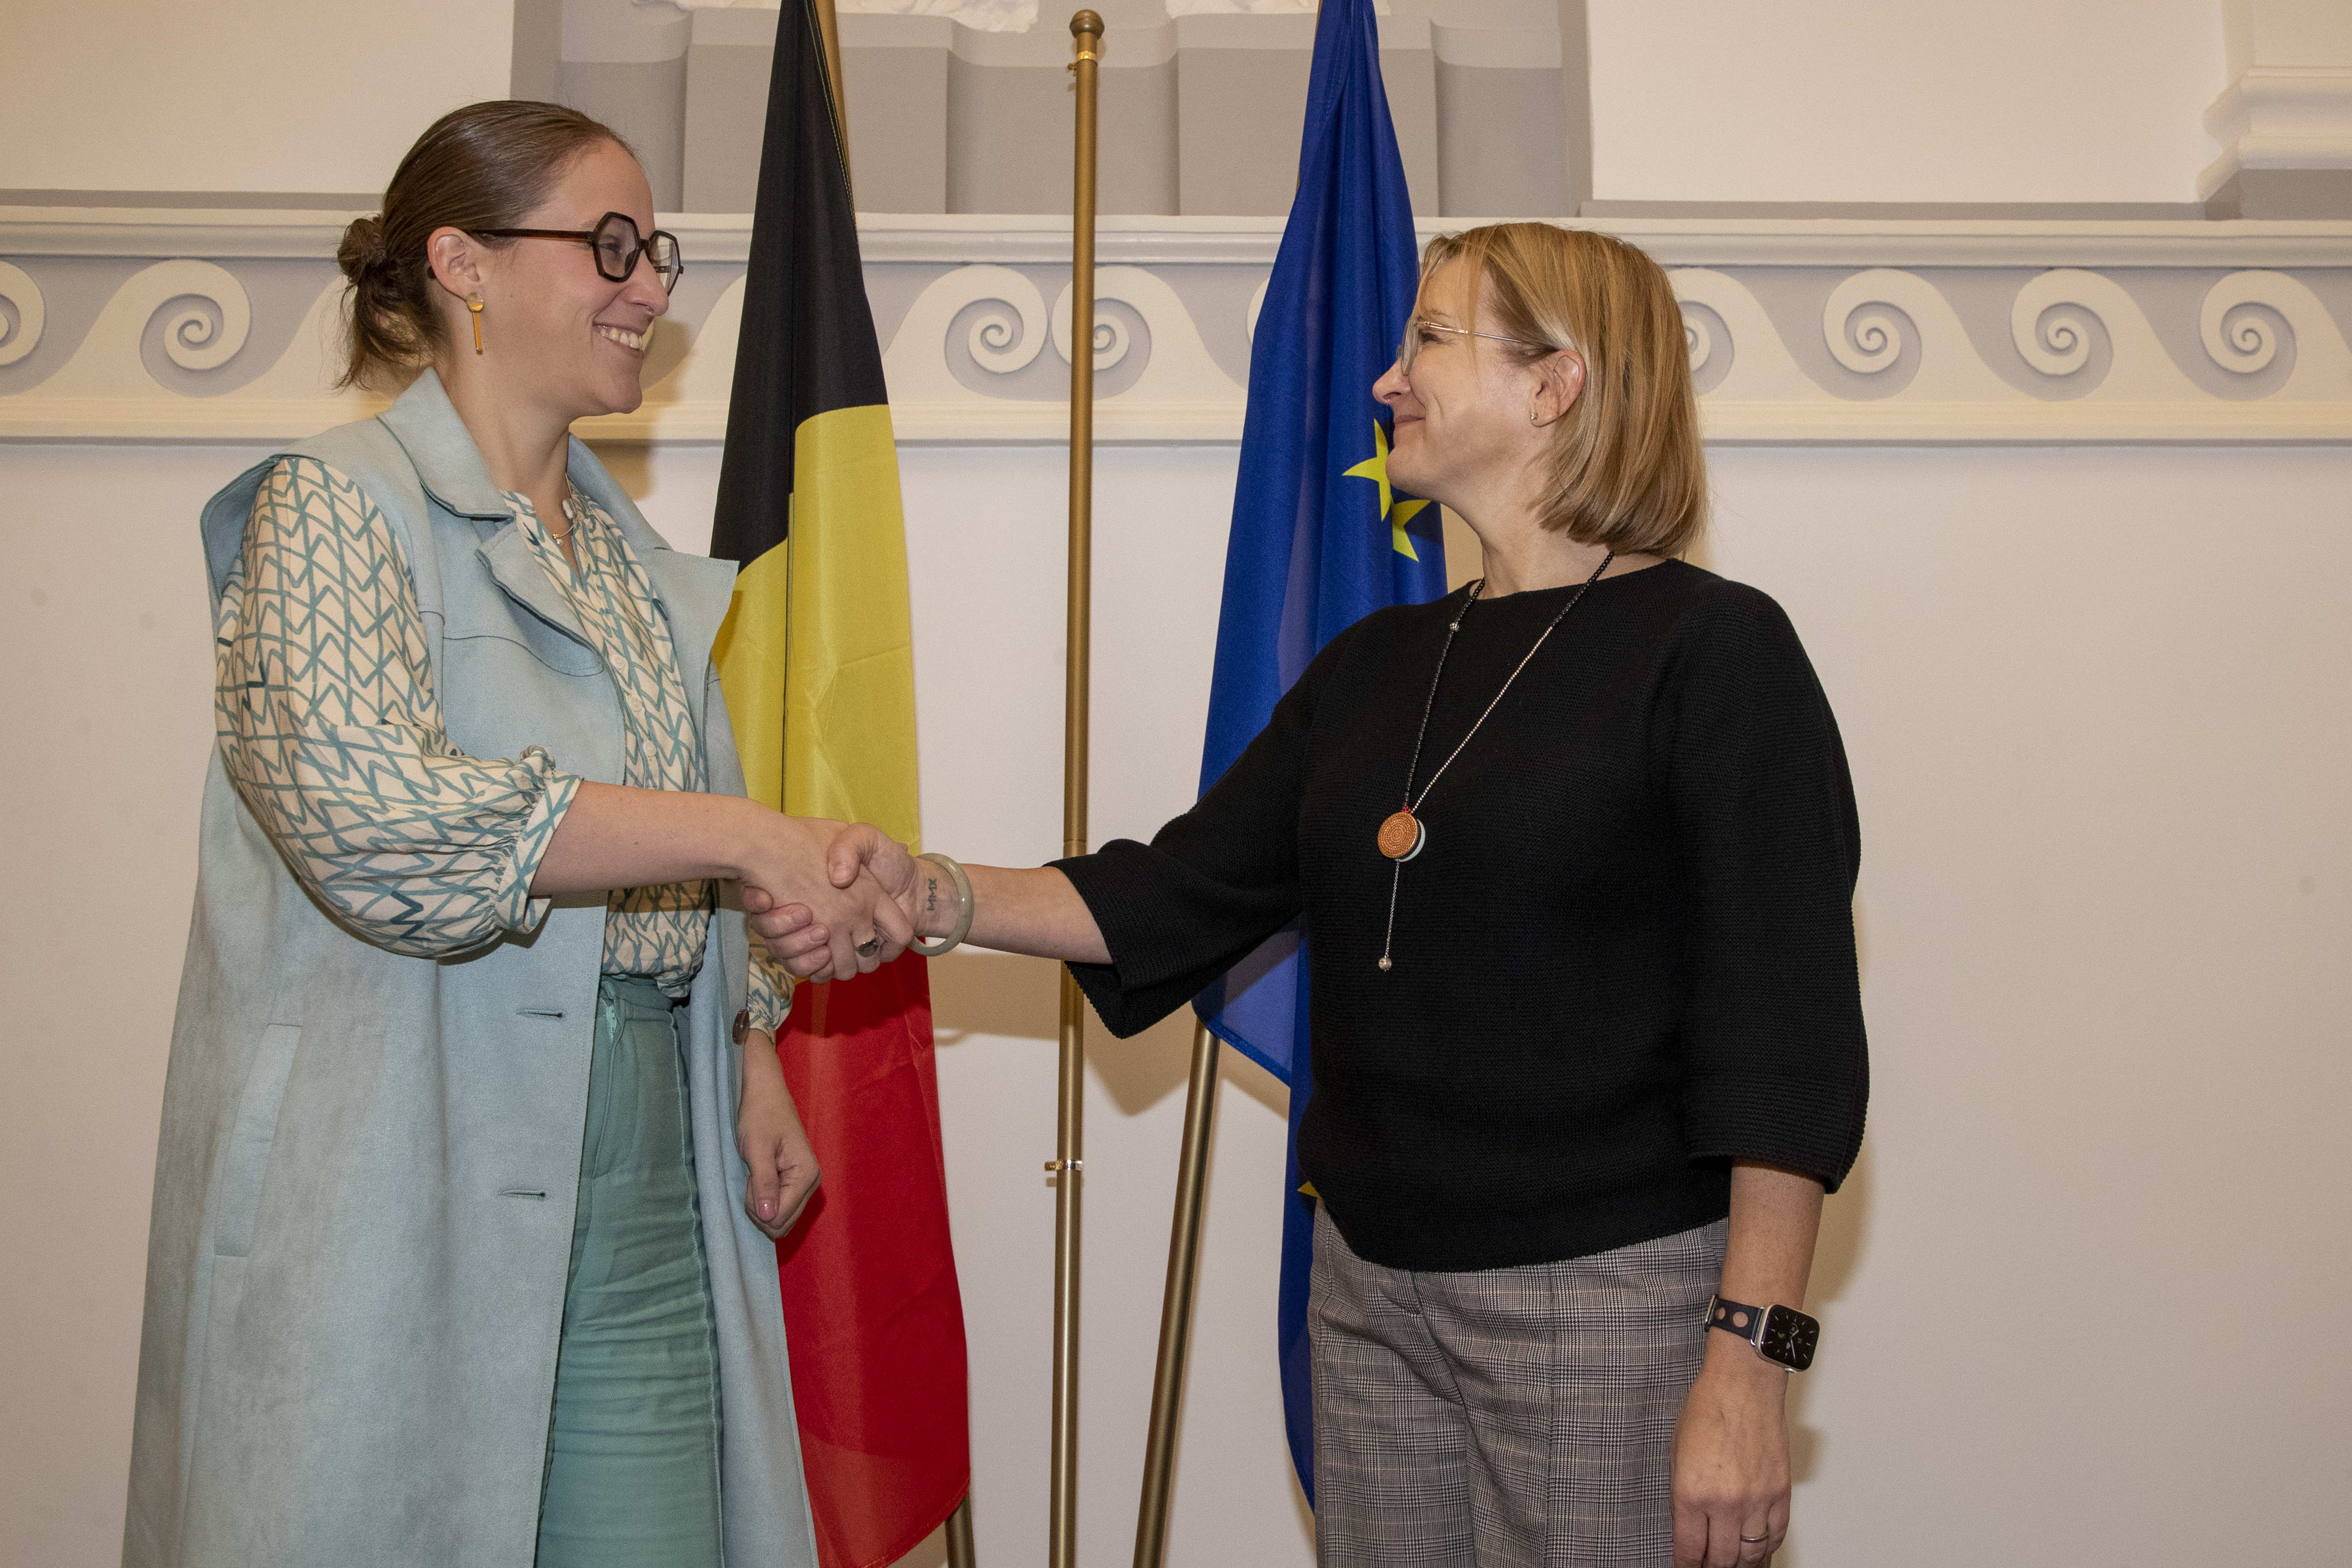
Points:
x=831 y=900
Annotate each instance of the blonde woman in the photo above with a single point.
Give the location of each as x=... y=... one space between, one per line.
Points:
x=1575 y=846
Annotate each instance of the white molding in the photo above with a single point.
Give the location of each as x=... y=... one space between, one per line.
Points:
x=1883 y=315
x=292 y=234
x=2281 y=117
x=23 y=297
x=127 y=420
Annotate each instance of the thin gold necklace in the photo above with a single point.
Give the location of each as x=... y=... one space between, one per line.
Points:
x=570 y=498
x=1403 y=834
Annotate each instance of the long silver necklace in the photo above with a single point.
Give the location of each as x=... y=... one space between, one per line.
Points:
x=1402 y=833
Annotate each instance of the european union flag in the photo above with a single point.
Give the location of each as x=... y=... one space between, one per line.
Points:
x=1320 y=540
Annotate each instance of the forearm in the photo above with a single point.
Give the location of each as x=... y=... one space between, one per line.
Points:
x=759 y=1067
x=1035 y=911
x=1776 y=1217
x=1731 y=1445
x=616 y=836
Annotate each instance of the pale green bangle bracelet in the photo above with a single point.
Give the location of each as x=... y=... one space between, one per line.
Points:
x=954 y=938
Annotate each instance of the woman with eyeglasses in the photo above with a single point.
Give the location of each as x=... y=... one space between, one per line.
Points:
x=1575 y=850
x=475 y=1145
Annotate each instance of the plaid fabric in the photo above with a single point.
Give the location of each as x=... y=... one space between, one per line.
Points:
x=1508 y=1417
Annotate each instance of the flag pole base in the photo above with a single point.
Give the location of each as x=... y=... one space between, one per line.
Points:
x=1176 y=1303
x=960 y=1553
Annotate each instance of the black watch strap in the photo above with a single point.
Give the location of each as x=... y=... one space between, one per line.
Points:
x=1781 y=1335
x=1737 y=1318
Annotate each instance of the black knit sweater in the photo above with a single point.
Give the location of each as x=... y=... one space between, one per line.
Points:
x=1624 y=959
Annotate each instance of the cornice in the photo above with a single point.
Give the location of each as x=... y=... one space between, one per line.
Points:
x=1800 y=331
x=959 y=238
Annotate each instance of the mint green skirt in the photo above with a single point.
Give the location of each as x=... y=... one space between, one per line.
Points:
x=633 y=1449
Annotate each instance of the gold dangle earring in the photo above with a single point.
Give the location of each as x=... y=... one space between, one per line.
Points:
x=474 y=303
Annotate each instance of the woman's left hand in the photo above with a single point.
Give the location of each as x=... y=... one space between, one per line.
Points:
x=1731 y=1461
x=768 y=1131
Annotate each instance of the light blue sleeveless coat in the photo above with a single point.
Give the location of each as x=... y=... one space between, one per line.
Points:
x=365 y=1189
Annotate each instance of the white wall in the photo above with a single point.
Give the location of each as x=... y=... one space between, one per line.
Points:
x=2081 y=1296
x=1876 y=101
x=2287 y=33
x=262 y=95
x=1903 y=100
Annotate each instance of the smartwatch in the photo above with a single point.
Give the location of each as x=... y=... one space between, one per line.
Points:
x=1781 y=1335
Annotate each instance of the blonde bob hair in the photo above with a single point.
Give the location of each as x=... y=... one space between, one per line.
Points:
x=1626 y=469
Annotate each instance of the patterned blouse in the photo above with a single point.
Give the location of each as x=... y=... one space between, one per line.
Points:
x=331 y=732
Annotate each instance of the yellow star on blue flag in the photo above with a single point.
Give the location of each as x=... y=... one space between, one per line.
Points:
x=1396 y=510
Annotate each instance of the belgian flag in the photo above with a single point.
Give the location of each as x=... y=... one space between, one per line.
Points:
x=816 y=657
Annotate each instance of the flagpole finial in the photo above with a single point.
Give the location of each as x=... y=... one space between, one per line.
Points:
x=1085 y=23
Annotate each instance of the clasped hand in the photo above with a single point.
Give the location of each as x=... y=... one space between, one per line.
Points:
x=875 y=876
x=853 y=893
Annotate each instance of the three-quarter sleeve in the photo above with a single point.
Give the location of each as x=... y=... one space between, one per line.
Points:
x=1763 y=807
x=1211 y=885
x=330 y=729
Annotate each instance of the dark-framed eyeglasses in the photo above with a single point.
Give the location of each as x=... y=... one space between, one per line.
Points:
x=616 y=246
x=1416 y=325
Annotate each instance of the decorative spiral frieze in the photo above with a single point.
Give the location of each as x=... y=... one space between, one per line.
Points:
x=1006 y=333
x=204 y=311
x=1883 y=313
x=2234 y=325
x=1901 y=356
x=204 y=314
x=1698 y=339
x=1002 y=343
x=2051 y=325
x=2050 y=321
x=2238 y=340
x=206 y=323
x=1863 y=332
x=21 y=323
x=1112 y=339
x=1746 y=362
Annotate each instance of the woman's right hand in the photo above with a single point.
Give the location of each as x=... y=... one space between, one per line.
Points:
x=1038 y=912
x=792 y=852
x=804 y=943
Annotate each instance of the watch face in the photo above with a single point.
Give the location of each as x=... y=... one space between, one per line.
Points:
x=1789 y=1338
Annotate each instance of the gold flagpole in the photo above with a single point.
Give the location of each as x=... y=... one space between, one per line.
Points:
x=1176 y=1303
x=1063 y=1537
x=828 y=30
x=960 y=1553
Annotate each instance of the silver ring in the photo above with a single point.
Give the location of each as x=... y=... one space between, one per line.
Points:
x=1754 y=1540
x=870 y=946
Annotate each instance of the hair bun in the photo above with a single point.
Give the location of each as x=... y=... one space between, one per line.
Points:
x=362 y=249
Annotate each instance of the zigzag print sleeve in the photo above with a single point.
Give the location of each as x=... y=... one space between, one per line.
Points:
x=771 y=996
x=330 y=729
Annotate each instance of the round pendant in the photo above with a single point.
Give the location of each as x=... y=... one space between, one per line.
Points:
x=1402 y=836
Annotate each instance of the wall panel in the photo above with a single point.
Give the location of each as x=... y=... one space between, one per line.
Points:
x=159 y=95
x=2106 y=890
x=1903 y=100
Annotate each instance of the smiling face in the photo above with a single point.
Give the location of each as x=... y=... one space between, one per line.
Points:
x=1473 y=415
x=555 y=332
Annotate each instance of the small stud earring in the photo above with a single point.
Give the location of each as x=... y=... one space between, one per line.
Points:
x=1533 y=418
x=474 y=303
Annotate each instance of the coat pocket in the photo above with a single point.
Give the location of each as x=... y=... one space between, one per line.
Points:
x=249 y=1142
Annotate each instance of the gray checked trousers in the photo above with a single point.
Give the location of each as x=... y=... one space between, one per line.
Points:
x=1508 y=1418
